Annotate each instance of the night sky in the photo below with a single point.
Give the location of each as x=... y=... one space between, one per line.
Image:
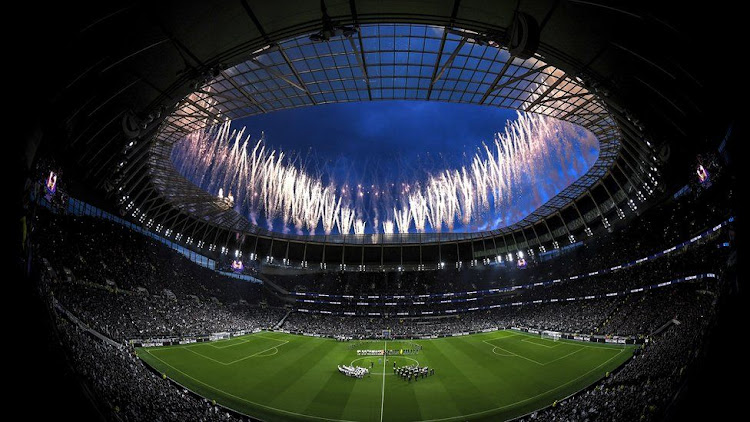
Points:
x=381 y=139
x=382 y=142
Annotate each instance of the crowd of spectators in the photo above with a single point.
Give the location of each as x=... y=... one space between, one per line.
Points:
x=633 y=315
x=125 y=286
x=705 y=257
x=643 y=388
x=124 y=315
x=638 y=390
x=584 y=259
x=129 y=389
x=101 y=252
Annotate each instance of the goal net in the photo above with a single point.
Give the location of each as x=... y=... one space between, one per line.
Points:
x=551 y=335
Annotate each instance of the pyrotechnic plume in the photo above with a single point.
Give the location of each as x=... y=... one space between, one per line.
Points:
x=359 y=227
x=419 y=210
x=278 y=188
x=388 y=227
x=346 y=220
x=403 y=217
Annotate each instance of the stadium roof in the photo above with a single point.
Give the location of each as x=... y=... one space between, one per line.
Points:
x=381 y=62
x=110 y=95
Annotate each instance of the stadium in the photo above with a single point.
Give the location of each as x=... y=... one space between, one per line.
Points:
x=425 y=210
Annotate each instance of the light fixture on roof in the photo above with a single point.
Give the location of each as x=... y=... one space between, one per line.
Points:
x=523 y=36
x=329 y=32
x=331 y=29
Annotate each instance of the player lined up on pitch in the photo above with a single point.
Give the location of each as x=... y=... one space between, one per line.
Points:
x=415 y=372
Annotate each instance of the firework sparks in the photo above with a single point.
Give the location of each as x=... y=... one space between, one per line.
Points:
x=269 y=184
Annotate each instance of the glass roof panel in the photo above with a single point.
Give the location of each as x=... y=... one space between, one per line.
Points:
x=386 y=61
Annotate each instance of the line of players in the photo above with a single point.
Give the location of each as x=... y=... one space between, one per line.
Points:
x=415 y=372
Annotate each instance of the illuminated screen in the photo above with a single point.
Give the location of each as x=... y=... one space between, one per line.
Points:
x=703 y=175
x=50 y=186
x=51 y=183
x=237 y=266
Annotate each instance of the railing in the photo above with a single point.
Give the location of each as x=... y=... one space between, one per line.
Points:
x=639 y=261
x=499 y=305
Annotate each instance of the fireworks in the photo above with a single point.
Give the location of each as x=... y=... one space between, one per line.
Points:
x=269 y=184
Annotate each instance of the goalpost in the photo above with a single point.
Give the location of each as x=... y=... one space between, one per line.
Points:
x=550 y=335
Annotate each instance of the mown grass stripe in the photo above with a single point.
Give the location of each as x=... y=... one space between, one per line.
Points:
x=299 y=380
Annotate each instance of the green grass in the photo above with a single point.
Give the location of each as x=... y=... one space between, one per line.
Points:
x=489 y=376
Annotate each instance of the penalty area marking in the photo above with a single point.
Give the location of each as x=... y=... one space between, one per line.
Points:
x=270 y=338
x=494 y=348
x=244 y=340
x=584 y=343
x=499 y=354
x=275 y=349
x=511 y=353
x=529 y=340
x=260 y=354
x=201 y=354
x=565 y=356
x=508 y=353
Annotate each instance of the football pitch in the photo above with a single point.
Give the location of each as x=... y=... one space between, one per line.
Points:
x=489 y=376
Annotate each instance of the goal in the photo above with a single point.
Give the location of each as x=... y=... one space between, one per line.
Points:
x=551 y=335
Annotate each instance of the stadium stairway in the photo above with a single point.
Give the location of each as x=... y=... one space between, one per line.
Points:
x=271 y=286
x=281 y=321
x=277 y=291
x=665 y=326
x=611 y=315
x=621 y=318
